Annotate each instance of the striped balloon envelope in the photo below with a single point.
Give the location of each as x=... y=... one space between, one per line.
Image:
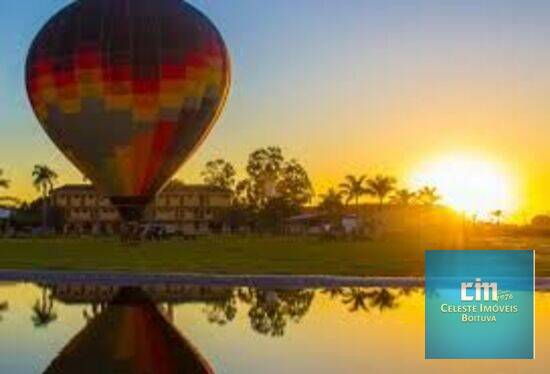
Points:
x=127 y=90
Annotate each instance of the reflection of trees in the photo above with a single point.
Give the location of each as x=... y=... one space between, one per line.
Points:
x=222 y=311
x=4 y=305
x=332 y=293
x=271 y=310
x=364 y=299
x=43 y=311
x=95 y=310
x=384 y=299
x=356 y=299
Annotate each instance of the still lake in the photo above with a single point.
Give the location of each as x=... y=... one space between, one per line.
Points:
x=244 y=329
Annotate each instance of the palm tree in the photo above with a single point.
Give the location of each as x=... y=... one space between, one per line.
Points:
x=428 y=195
x=353 y=189
x=43 y=180
x=43 y=312
x=11 y=200
x=380 y=187
x=497 y=215
x=4 y=183
x=403 y=197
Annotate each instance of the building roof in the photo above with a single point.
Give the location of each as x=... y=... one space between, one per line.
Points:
x=196 y=187
x=183 y=188
x=75 y=187
x=5 y=213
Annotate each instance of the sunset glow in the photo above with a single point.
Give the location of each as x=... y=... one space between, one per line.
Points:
x=469 y=184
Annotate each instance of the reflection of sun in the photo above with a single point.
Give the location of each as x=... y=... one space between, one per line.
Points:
x=468 y=184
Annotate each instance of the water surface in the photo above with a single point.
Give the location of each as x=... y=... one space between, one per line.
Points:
x=252 y=330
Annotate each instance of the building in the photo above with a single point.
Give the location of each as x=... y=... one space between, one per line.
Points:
x=373 y=219
x=6 y=215
x=187 y=209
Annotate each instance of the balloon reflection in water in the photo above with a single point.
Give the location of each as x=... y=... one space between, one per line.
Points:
x=129 y=336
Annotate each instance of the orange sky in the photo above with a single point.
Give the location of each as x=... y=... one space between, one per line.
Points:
x=353 y=87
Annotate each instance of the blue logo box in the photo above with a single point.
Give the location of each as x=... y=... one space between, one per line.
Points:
x=480 y=304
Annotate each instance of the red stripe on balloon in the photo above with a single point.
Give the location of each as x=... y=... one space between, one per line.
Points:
x=145 y=86
x=120 y=73
x=65 y=78
x=88 y=60
x=171 y=71
x=162 y=139
x=43 y=66
x=195 y=60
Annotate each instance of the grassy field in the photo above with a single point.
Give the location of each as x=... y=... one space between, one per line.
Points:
x=249 y=255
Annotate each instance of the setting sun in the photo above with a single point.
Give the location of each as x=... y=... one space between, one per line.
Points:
x=468 y=184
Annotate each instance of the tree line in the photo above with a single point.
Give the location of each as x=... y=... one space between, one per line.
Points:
x=273 y=188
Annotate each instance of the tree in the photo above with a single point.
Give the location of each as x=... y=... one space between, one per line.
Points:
x=380 y=187
x=10 y=200
x=219 y=173
x=4 y=183
x=331 y=205
x=403 y=197
x=274 y=189
x=541 y=220
x=352 y=189
x=294 y=184
x=43 y=180
x=497 y=215
x=428 y=195
x=263 y=168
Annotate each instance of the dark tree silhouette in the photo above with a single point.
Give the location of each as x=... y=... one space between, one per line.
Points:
x=219 y=173
x=4 y=183
x=353 y=189
x=380 y=187
x=403 y=197
x=43 y=180
x=428 y=195
x=331 y=205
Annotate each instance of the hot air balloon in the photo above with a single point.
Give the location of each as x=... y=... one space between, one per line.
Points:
x=127 y=90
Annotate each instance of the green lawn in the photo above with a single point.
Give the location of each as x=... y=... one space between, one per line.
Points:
x=248 y=255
